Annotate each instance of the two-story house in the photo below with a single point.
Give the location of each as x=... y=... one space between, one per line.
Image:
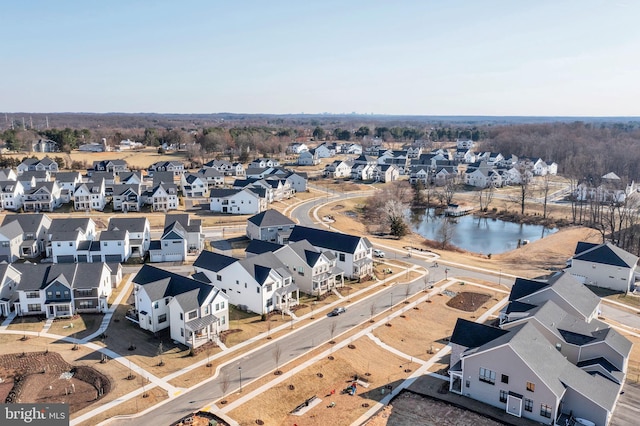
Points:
x=35 y=228
x=259 y=284
x=61 y=290
x=194 y=311
x=163 y=197
x=43 y=197
x=90 y=196
x=267 y=225
x=604 y=265
x=34 y=164
x=212 y=177
x=196 y=185
x=237 y=201
x=11 y=194
x=9 y=278
x=128 y=198
x=112 y=166
x=66 y=236
x=175 y=167
x=139 y=233
x=353 y=253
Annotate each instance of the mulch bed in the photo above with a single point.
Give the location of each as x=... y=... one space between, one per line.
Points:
x=468 y=301
x=36 y=377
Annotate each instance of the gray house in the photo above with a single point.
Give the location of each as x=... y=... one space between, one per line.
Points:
x=35 y=228
x=266 y=226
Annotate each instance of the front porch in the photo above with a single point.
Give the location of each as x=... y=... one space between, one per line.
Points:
x=201 y=330
x=58 y=309
x=286 y=297
x=362 y=267
x=327 y=281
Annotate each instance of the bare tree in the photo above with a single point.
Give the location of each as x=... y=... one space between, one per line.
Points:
x=449 y=190
x=407 y=292
x=445 y=233
x=372 y=311
x=485 y=196
x=225 y=382
x=159 y=353
x=545 y=188
x=268 y=327
x=524 y=193
x=277 y=353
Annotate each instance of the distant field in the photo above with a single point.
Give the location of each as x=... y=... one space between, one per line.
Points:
x=136 y=159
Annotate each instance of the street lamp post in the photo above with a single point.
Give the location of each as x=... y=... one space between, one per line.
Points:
x=240 y=372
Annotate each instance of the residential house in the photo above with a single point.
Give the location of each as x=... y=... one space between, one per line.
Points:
x=195 y=185
x=11 y=239
x=297 y=181
x=62 y=290
x=325 y=150
x=34 y=164
x=126 y=145
x=163 y=197
x=464 y=143
x=338 y=169
x=520 y=371
x=66 y=236
x=9 y=278
x=35 y=228
x=314 y=272
x=267 y=225
x=181 y=235
x=90 y=196
x=45 y=145
x=8 y=174
x=195 y=312
x=604 y=265
x=111 y=246
x=212 y=177
x=68 y=180
x=128 y=198
x=608 y=189
x=44 y=196
x=264 y=162
x=308 y=158
x=11 y=195
x=420 y=173
x=112 y=166
x=223 y=166
x=259 y=284
x=353 y=253
x=297 y=148
x=36 y=176
x=385 y=173
x=139 y=233
x=352 y=149
x=564 y=290
x=176 y=167
x=237 y=201
x=131 y=178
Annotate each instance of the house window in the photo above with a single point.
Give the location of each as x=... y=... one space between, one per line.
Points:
x=221 y=305
x=545 y=410
x=181 y=316
x=531 y=387
x=505 y=379
x=206 y=309
x=166 y=301
x=33 y=307
x=104 y=244
x=182 y=332
x=341 y=257
x=301 y=271
x=162 y=318
x=269 y=287
x=219 y=277
x=487 y=376
x=467 y=383
x=59 y=244
x=119 y=243
x=528 y=405
x=217 y=306
x=193 y=314
x=257 y=289
x=155 y=305
x=503 y=396
x=70 y=244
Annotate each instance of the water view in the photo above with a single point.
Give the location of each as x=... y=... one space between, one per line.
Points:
x=479 y=235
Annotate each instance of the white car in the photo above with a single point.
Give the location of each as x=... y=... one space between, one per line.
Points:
x=378 y=253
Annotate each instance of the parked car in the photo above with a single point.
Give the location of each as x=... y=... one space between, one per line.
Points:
x=378 y=253
x=337 y=311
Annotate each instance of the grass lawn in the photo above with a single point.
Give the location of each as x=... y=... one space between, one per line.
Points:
x=79 y=326
x=27 y=323
x=154 y=396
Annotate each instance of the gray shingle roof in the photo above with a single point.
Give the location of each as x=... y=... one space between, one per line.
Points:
x=608 y=254
x=132 y=224
x=11 y=230
x=213 y=261
x=259 y=247
x=326 y=239
x=270 y=218
x=79 y=275
x=29 y=222
x=260 y=266
x=159 y=284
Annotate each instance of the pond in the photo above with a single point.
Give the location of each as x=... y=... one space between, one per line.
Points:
x=479 y=235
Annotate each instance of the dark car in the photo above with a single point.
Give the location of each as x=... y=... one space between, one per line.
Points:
x=337 y=311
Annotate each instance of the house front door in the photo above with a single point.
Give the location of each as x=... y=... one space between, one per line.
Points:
x=514 y=404
x=52 y=311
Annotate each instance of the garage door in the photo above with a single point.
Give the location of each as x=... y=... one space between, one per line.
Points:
x=66 y=259
x=112 y=258
x=173 y=257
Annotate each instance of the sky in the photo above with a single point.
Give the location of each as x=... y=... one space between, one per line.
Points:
x=420 y=57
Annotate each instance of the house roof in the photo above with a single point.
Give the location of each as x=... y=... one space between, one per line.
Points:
x=306 y=251
x=29 y=222
x=11 y=230
x=133 y=224
x=259 y=247
x=114 y=235
x=472 y=334
x=78 y=275
x=190 y=225
x=67 y=176
x=159 y=283
x=223 y=193
x=70 y=224
x=270 y=218
x=326 y=239
x=261 y=265
x=607 y=254
x=213 y=261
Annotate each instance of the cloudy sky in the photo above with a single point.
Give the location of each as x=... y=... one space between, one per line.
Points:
x=492 y=57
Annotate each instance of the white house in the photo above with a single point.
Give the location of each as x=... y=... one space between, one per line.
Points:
x=12 y=194
x=464 y=143
x=604 y=265
x=195 y=312
x=34 y=164
x=128 y=198
x=237 y=201
x=297 y=181
x=325 y=150
x=196 y=185
x=11 y=240
x=296 y=148
x=264 y=162
x=337 y=169
x=139 y=232
x=181 y=235
x=35 y=228
x=353 y=253
x=45 y=196
x=66 y=236
x=212 y=177
x=163 y=197
x=259 y=284
x=175 y=167
x=308 y=158
x=90 y=196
